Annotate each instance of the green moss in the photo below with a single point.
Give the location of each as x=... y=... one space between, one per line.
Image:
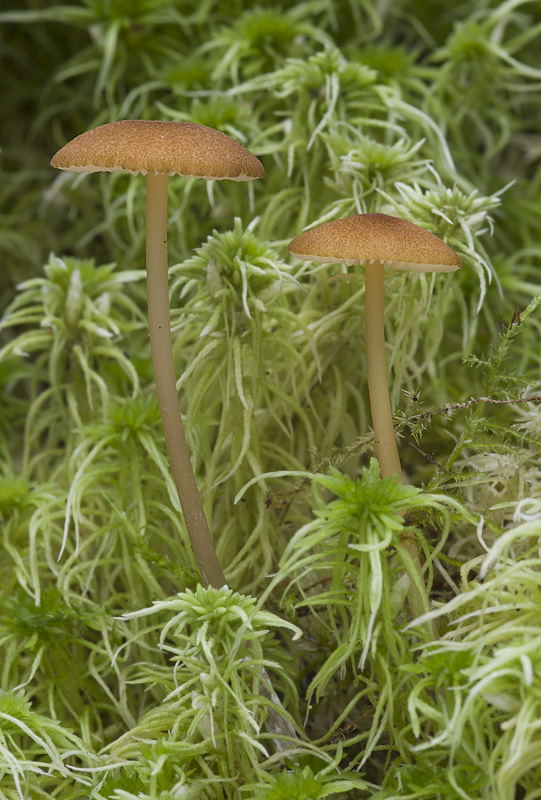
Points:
x=122 y=679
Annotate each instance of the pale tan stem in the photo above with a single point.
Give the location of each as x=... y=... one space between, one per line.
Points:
x=378 y=385
x=164 y=373
x=380 y=404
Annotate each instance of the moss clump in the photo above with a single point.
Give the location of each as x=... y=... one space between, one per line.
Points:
x=311 y=676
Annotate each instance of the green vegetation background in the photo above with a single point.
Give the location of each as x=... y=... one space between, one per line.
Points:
x=120 y=677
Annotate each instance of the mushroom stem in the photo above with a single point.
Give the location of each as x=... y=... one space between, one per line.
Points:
x=378 y=385
x=380 y=405
x=164 y=373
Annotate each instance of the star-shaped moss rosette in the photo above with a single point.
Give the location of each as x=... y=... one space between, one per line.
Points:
x=216 y=694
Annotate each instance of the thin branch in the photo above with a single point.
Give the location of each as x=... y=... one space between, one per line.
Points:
x=430 y=457
x=452 y=407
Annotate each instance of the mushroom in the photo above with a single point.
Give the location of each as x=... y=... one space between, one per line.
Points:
x=157 y=150
x=378 y=241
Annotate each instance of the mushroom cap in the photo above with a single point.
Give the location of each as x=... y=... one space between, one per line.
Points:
x=397 y=243
x=171 y=148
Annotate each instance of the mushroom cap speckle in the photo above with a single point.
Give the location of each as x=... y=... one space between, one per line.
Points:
x=399 y=244
x=171 y=148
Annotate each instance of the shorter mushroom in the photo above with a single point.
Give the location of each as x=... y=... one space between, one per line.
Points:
x=379 y=241
x=157 y=150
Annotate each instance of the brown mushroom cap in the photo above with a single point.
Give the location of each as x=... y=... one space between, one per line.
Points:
x=399 y=244
x=171 y=148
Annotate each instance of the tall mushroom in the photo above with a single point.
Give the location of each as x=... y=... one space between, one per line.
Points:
x=157 y=150
x=378 y=241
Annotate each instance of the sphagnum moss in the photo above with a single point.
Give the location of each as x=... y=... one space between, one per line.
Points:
x=210 y=693
x=251 y=364
x=456 y=719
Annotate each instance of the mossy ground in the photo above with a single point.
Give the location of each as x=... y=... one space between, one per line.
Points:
x=320 y=672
